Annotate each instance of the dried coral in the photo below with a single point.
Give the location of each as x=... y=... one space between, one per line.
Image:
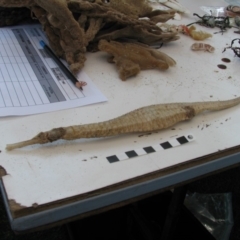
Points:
x=73 y=26
x=130 y=58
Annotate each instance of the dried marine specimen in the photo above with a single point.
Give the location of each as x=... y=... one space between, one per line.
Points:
x=75 y=26
x=236 y=50
x=174 y=28
x=145 y=119
x=210 y=21
x=232 y=11
x=237 y=24
x=131 y=58
x=202 y=47
x=198 y=35
x=189 y=31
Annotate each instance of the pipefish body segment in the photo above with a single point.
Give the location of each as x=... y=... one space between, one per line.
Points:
x=145 y=119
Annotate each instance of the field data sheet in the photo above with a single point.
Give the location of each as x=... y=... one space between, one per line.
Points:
x=31 y=82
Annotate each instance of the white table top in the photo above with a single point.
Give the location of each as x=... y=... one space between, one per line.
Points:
x=39 y=175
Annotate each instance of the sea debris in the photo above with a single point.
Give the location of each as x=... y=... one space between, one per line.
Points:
x=236 y=50
x=211 y=21
x=146 y=119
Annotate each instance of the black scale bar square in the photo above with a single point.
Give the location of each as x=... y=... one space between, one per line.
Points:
x=113 y=159
x=131 y=154
x=182 y=140
x=166 y=145
x=149 y=149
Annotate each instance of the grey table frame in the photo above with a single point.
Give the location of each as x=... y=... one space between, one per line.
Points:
x=68 y=211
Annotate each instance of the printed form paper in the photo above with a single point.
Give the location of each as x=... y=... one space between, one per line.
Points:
x=31 y=82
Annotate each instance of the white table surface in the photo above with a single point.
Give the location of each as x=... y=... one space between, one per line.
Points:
x=39 y=175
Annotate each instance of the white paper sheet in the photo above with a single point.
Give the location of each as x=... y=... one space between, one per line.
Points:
x=31 y=82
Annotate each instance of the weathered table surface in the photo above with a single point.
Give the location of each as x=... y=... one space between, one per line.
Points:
x=62 y=180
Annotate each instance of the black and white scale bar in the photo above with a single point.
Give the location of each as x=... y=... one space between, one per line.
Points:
x=151 y=149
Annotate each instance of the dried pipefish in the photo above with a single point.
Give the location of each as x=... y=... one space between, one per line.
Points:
x=202 y=47
x=145 y=119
